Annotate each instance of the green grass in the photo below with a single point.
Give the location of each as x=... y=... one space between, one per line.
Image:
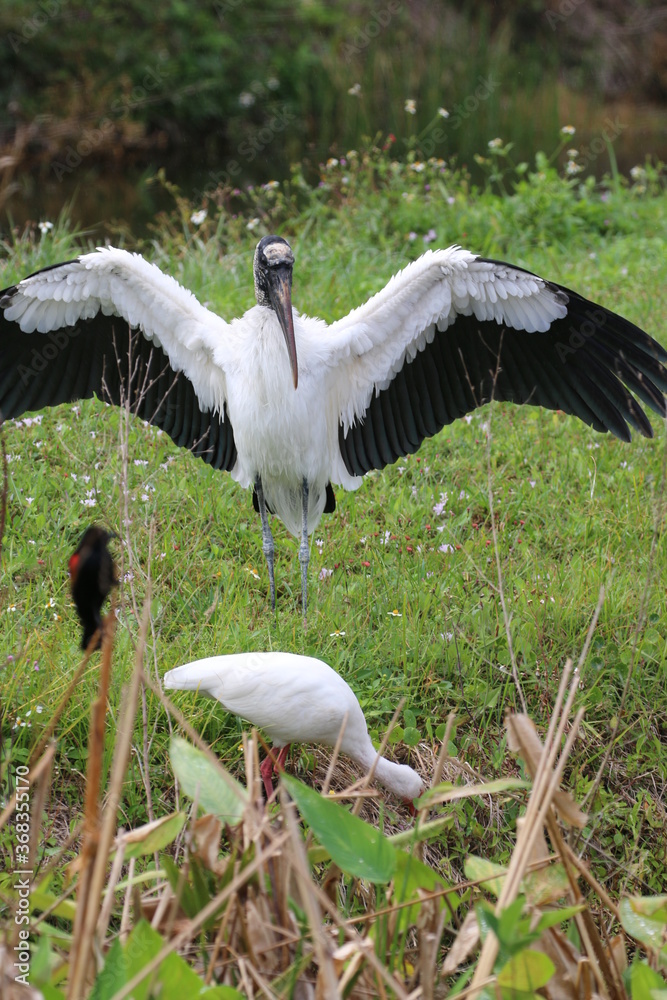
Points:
x=575 y=511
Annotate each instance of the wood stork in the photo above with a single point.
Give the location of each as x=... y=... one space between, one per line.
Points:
x=294 y=699
x=289 y=405
x=92 y=575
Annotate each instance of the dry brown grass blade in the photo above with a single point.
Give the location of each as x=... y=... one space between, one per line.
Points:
x=184 y=936
x=327 y=979
x=546 y=783
x=62 y=704
x=91 y=823
x=91 y=891
x=522 y=738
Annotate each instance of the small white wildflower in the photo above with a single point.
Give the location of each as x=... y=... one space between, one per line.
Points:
x=252 y=224
x=417 y=166
x=637 y=173
x=568 y=130
x=445 y=547
x=270 y=185
x=395 y=613
x=89 y=502
x=332 y=162
x=355 y=90
x=495 y=143
x=411 y=106
x=246 y=99
x=336 y=634
x=29 y=500
x=45 y=227
x=572 y=168
x=141 y=461
x=443 y=112
x=198 y=217
x=324 y=573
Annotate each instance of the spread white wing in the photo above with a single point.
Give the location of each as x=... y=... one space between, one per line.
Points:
x=454 y=330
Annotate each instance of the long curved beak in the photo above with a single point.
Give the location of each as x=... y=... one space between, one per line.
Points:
x=280 y=294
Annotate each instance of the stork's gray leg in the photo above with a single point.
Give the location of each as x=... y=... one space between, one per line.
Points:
x=304 y=550
x=267 y=539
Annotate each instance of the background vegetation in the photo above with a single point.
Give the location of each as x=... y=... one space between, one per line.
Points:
x=405 y=588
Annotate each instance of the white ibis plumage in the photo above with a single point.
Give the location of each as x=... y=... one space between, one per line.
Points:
x=294 y=699
x=290 y=405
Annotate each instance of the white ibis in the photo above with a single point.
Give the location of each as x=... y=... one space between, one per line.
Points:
x=294 y=699
x=289 y=405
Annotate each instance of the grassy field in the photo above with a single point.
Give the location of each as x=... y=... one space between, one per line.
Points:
x=405 y=577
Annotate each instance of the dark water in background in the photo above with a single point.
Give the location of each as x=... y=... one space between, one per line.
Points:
x=108 y=198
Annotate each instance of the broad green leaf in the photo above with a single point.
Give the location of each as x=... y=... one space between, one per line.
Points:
x=187 y=896
x=175 y=979
x=153 y=836
x=50 y=992
x=411 y=875
x=546 y=885
x=645 y=918
x=644 y=982
x=356 y=847
x=112 y=976
x=555 y=917
x=424 y=831
x=487 y=872
x=42 y=899
x=526 y=972
x=446 y=792
x=217 y=793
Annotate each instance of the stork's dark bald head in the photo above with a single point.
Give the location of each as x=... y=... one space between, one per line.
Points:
x=272 y=269
x=271 y=253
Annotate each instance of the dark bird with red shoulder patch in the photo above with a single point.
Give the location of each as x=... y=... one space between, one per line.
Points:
x=92 y=574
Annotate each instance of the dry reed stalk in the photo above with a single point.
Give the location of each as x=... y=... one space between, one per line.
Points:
x=190 y=732
x=102 y=836
x=53 y=721
x=107 y=904
x=184 y=936
x=327 y=978
x=79 y=957
x=545 y=784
